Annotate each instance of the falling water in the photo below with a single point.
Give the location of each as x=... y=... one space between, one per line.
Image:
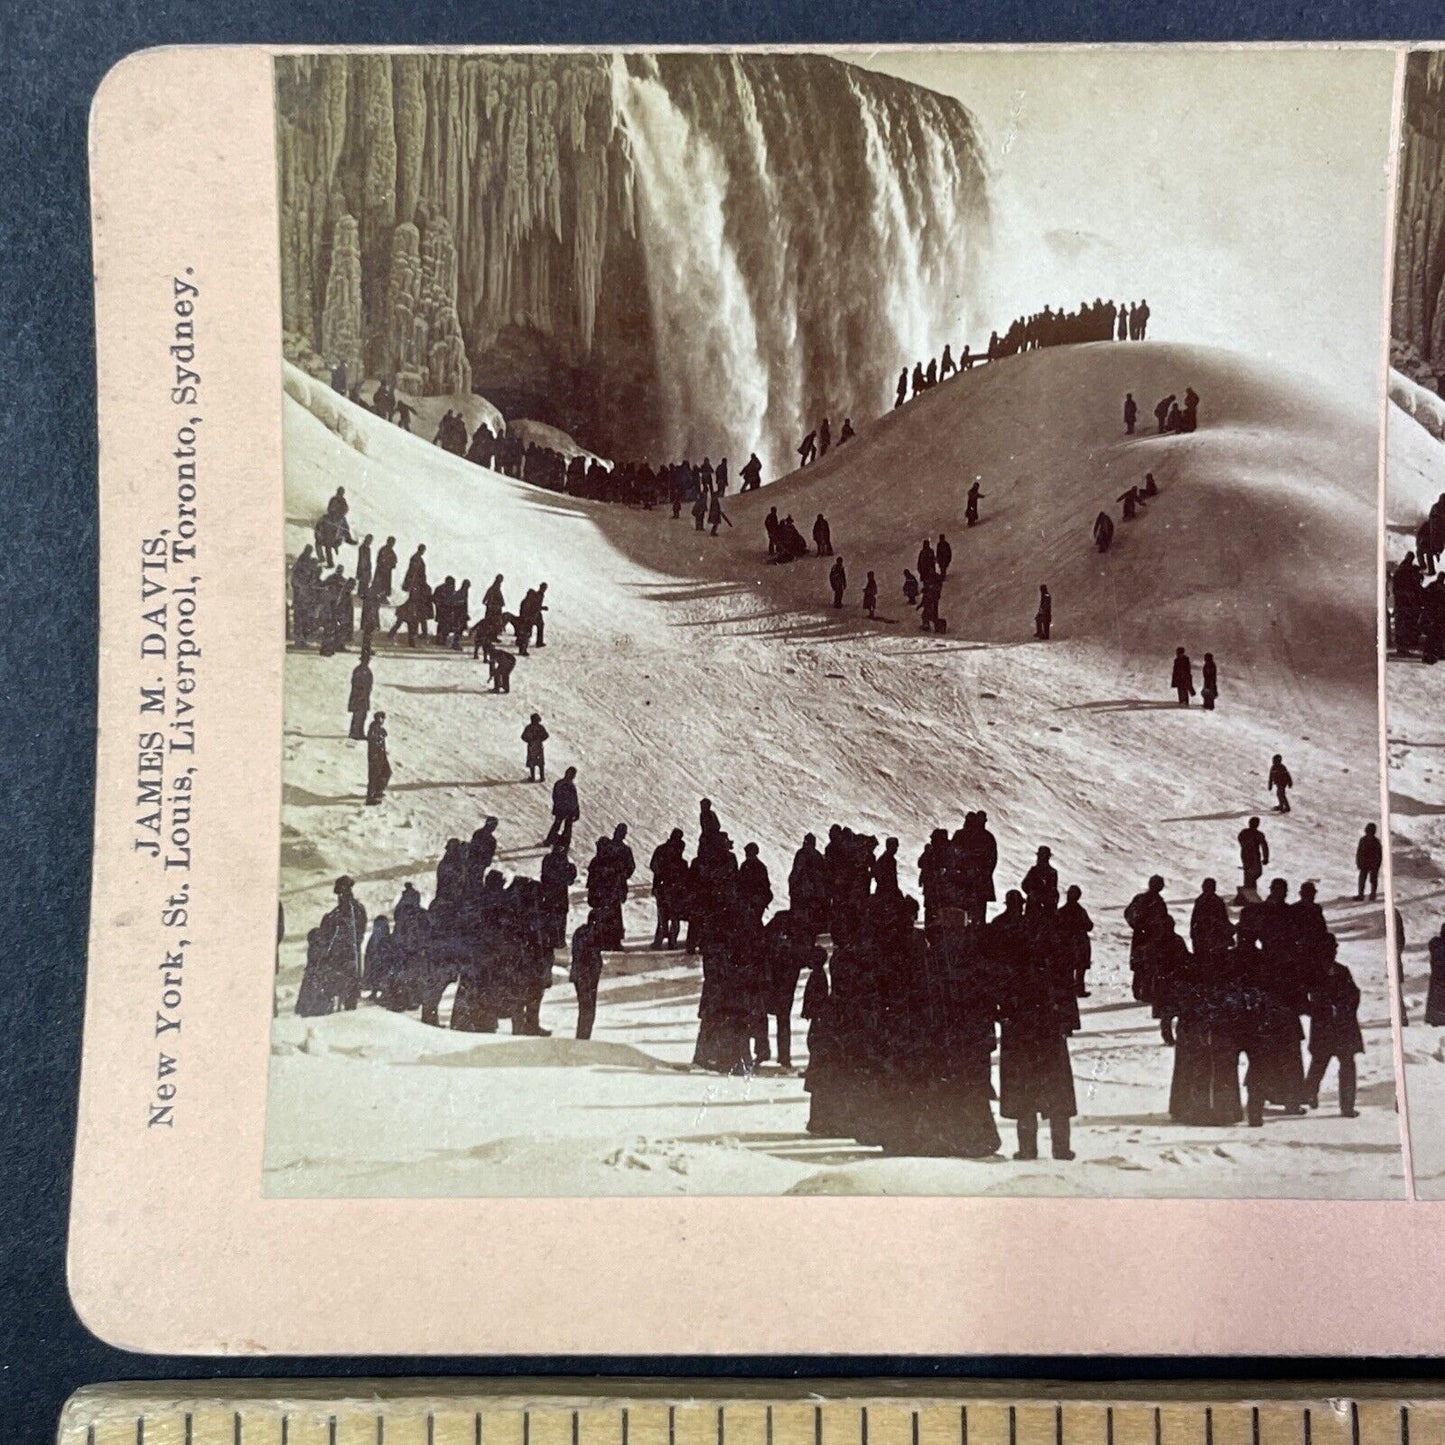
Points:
x=809 y=228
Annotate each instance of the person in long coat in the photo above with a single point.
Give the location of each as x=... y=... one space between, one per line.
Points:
x=1036 y=1078
x=1073 y=927
x=586 y=972
x=1334 y=1033
x=333 y=979
x=955 y=1036
x=381 y=959
x=559 y=873
x=378 y=765
x=1145 y=915
x=1193 y=1006
x=535 y=736
x=358 y=701
x=1435 y=998
x=730 y=998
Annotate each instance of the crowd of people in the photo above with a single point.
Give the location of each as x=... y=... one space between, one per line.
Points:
x=1098 y=320
x=1417 y=606
x=905 y=1007
x=324 y=611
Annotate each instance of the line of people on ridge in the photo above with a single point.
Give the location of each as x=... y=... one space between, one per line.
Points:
x=926 y=377
x=1417 y=611
x=903 y=1021
x=1093 y=321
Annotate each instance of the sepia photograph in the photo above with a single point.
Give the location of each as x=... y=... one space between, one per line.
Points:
x=831 y=635
x=1414 y=541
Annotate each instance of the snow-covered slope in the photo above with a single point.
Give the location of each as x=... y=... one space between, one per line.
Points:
x=1416 y=722
x=681 y=665
x=1258 y=548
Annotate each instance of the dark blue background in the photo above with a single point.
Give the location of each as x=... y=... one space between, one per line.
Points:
x=52 y=56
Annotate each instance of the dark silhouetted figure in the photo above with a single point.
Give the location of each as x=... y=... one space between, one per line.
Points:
x=502 y=665
x=823 y=536
x=752 y=473
x=970 y=511
x=902 y=389
x=1131 y=411
x=669 y=889
x=1035 y=999
x=1148 y=916
x=771 y=525
x=847 y=434
x=1280 y=780
x=1161 y=412
x=1334 y=1004
x=1435 y=997
x=565 y=808
x=1181 y=678
x=1150 y=487
x=1044 y=617
x=378 y=765
x=1073 y=927
x=586 y=971
x=358 y=702
x=910 y=588
x=1210 y=690
x=838 y=581
x=535 y=737
x=1253 y=859
x=943 y=555
x=559 y=873
x=870 y=595
x=932 y=595
x=825 y=437
x=384 y=571
x=1369 y=855
x=927 y=561
x=1103 y=531
x=808 y=449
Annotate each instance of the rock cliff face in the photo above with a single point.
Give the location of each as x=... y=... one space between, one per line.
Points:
x=1417 y=324
x=662 y=255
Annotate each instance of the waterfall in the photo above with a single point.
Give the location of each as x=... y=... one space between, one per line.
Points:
x=666 y=255
x=809 y=228
x=712 y=380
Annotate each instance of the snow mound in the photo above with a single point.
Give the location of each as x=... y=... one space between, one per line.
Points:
x=1260 y=547
x=1419 y=402
x=329 y=407
x=538 y=433
x=1416 y=475
x=506 y=1052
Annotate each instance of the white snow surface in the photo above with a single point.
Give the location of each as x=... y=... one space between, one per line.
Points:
x=679 y=665
x=1416 y=721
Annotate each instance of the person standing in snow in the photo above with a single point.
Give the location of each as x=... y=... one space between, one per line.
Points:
x=823 y=536
x=535 y=737
x=586 y=972
x=1369 y=855
x=1210 y=689
x=378 y=765
x=970 y=511
x=1131 y=413
x=870 y=595
x=1044 y=617
x=943 y=555
x=838 y=581
x=358 y=703
x=1181 y=679
x=1253 y=859
x=565 y=809
x=1281 y=782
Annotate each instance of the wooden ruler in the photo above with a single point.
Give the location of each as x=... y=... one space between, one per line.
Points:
x=473 y=1412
